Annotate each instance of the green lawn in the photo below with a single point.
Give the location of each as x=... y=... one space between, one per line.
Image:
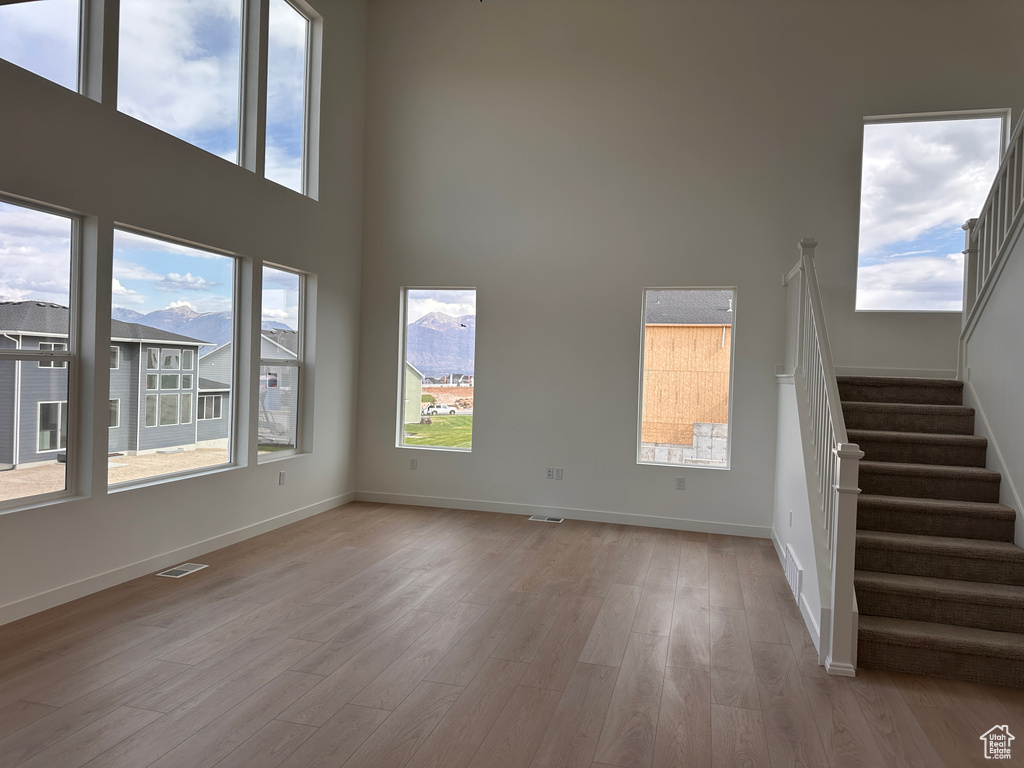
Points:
x=444 y=431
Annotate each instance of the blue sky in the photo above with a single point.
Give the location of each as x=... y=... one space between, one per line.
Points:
x=920 y=182
x=178 y=68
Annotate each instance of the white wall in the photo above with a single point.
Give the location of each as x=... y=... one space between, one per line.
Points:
x=560 y=155
x=994 y=372
x=65 y=150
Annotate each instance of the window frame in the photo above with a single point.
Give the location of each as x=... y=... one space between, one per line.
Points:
x=62 y=418
x=732 y=377
x=299 y=364
x=66 y=359
x=116 y=353
x=50 y=361
x=216 y=400
x=402 y=358
x=116 y=403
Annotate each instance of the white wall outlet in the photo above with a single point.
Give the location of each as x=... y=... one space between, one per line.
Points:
x=413 y=463
x=280 y=478
x=558 y=473
x=551 y=473
x=680 y=483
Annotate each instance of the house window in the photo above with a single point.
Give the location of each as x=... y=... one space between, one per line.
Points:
x=281 y=360
x=208 y=407
x=686 y=377
x=115 y=358
x=923 y=176
x=37 y=250
x=287 y=95
x=172 y=285
x=52 y=427
x=151 y=410
x=437 y=368
x=42 y=36
x=115 y=413
x=45 y=346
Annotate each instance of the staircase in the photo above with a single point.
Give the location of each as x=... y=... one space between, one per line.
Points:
x=939 y=582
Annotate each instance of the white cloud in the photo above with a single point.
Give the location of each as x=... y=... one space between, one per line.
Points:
x=125 y=295
x=919 y=283
x=177 y=304
x=173 y=282
x=35 y=255
x=451 y=302
x=275 y=314
x=921 y=176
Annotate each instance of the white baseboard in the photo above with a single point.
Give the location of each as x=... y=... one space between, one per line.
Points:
x=921 y=373
x=813 y=624
x=54 y=597
x=983 y=427
x=591 y=515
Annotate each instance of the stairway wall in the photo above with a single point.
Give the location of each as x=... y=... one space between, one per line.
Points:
x=993 y=360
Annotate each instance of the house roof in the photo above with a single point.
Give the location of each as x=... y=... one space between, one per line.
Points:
x=52 y=320
x=206 y=384
x=287 y=339
x=688 y=307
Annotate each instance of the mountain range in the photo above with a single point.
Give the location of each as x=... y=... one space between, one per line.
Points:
x=211 y=327
x=438 y=344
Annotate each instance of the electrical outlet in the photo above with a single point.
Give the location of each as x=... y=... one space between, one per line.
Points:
x=280 y=478
x=680 y=483
x=413 y=463
x=558 y=473
x=551 y=473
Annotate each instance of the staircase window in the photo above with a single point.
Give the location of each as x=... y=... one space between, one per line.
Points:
x=923 y=176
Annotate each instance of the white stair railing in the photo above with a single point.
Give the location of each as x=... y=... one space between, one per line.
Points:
x=809 y=358
x=991 y=236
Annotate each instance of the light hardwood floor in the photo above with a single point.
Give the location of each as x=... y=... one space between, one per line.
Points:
x=393 y=636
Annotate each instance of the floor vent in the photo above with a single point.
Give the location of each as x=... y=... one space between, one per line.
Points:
x=182 y=570
x=542 y=519
x=794 y=573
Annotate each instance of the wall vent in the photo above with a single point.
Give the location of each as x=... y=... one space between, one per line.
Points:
x=182 y=570
x=543 y=519
x=794 y=573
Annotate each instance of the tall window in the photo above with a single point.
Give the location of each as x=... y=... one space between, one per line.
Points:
x=37 y=344
x=287 y=91
x=179 y=69
x=281 y=358
x=686 y=377
x=438 y=368
x=922 y=178
x=172 y=316
x=42 y=37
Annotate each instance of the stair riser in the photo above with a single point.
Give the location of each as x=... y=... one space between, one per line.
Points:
x=939 y=566
x=920 y=453
x=946 y=664
x=903 y=421
x=951 y=488
x=920 y=395
x=939 y=610
x=962 y=527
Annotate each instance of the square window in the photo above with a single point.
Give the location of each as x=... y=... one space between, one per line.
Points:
x=168 y=410
x=115 y=358
x=152 y=381
x=187 y=359
x=52 y=428
x=186 y=381
x=686 y=377
x=115 y=413
x=170 y=359
x=153 y=359
x=169 y=381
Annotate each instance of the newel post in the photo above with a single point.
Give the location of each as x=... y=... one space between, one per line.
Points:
x=842 y=653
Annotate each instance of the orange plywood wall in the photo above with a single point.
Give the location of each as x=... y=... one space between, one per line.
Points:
x=686 y=380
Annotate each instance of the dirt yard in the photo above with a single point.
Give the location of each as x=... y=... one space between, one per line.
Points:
x=30 y=481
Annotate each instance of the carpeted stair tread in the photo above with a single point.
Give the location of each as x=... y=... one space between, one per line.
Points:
x=944 y=637
x=920 y=447
x=909 y=417
x=890 y=478
x=997 y=562
x=893 y=389
x=936 y=517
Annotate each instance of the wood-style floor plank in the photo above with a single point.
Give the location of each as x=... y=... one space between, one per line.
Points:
x=393 y=636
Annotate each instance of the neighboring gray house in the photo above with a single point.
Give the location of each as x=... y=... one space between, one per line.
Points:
x=278 y=384
x=154 y=387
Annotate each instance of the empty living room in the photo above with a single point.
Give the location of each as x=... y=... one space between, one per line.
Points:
x=736 y=284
